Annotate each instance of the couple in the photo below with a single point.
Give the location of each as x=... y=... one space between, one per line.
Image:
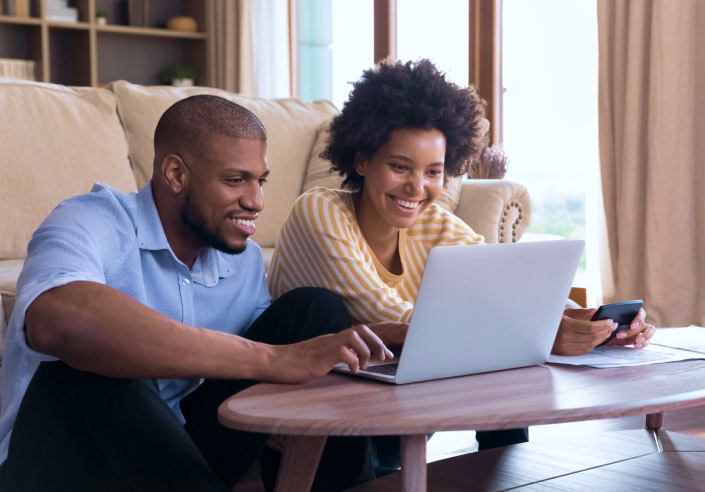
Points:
x=137 y=315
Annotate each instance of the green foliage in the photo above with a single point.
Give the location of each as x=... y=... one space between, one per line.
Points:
x=563 y=215
x=177 y=71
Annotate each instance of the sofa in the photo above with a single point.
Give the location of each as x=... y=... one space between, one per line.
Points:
x=56 y=141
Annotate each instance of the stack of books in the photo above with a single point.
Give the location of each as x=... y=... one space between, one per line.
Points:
x=58 y=10
x=17 y=69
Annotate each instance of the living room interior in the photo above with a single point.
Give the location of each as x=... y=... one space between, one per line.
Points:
x=594 y=108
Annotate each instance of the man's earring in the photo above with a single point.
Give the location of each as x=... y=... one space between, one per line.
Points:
x=174 y=189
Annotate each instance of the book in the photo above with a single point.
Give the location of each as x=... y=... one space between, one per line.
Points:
x=21 y=8
x=138 y=13
x=11 y=68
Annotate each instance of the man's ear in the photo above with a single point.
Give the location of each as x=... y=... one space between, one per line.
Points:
x=175 y=173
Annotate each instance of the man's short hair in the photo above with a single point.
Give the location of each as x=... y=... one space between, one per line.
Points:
x=188 y=125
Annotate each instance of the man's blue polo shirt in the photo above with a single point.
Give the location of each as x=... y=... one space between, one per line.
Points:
x=118 y=240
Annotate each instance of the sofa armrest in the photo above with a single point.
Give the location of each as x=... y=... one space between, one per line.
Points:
x=499 y=210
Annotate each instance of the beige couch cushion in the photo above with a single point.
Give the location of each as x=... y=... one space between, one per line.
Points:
x=56 y=142
x=319 y=172
x=9 y=272
x=291 y=125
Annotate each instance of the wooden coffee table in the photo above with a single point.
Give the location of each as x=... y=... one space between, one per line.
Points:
x=345 y=406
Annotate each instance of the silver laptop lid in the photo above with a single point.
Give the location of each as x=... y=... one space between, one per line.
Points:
x=486 y=308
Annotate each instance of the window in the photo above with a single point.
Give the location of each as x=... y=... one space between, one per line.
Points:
x=336 y=42
x=440 y=33
x=550 y=134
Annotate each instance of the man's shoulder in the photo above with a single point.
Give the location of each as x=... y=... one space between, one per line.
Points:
x=103 y=215
x=101 y=202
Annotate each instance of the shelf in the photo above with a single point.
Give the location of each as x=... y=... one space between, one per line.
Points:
x=155 y=54
x=70 y=57
x=69 y=25
x=27 y=21
x=86 y=53
x=150 y=31
x=22 y=42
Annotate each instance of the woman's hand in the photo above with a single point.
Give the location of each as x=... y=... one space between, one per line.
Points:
x=577 y=335
x=638 y=334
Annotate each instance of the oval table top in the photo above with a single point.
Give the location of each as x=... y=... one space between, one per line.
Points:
x=338 y=404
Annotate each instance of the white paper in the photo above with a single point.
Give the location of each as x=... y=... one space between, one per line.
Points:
x=688 y=338
x=610 y=356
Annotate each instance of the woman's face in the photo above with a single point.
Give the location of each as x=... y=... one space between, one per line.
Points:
x=404 y=176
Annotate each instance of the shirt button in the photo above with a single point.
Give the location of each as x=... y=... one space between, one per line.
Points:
x=185 y=282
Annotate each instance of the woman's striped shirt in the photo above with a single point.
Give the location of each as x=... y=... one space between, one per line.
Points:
x=321 y=245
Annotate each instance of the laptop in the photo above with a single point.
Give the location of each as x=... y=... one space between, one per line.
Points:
x=483 y=308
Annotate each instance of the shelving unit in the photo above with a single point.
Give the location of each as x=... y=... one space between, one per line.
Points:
x=85 y=53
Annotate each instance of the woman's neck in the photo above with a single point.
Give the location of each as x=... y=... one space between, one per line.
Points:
x=382 y=238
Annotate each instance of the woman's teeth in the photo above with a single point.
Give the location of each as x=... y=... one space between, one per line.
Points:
x=406 y=204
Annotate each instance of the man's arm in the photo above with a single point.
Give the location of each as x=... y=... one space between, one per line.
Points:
x=96 y=328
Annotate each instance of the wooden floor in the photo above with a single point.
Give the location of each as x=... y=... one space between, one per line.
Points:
x=448 y=444
x=618 y=461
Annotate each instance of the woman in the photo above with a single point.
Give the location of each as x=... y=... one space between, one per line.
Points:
x=404 y=130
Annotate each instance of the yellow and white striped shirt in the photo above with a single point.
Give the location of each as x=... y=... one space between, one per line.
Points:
x=321 y=245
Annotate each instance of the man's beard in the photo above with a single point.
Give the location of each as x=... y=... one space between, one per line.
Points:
x=193 y=219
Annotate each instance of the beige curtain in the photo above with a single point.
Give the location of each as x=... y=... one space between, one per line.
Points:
x=652 y=153
x=230 y=62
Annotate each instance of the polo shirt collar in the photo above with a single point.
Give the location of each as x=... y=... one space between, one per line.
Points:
x=150 y=232
x=209 y=266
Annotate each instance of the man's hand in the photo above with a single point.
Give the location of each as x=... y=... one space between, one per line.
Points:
x=638 y=334
x=391 y=333
x=577 y=335
x=312 y=358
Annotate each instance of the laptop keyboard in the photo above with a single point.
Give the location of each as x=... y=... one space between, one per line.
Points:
x=385 y=369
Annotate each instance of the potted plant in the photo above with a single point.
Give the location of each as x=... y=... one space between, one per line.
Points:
x=178 y=75
x=101 y=16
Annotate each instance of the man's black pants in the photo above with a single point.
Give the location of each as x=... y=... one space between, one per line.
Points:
x=80 y=431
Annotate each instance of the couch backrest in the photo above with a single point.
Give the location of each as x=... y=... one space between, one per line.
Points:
x=292 y=126
x=55 y=142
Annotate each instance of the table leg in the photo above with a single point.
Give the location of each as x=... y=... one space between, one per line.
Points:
x=413 y=463
x=299 y=463
x=654 y=422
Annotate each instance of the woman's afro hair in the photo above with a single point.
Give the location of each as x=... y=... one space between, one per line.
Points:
x=395 y=95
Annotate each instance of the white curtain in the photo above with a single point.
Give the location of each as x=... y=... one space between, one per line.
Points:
x=270 y=48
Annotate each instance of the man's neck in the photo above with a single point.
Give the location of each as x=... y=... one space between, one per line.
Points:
x=183 y=243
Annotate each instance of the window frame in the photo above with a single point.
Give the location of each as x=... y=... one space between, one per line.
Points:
x=484 y=42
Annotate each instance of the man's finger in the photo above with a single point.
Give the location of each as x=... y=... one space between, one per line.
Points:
x=374 y=343
x=349 y=357
x=355 y=341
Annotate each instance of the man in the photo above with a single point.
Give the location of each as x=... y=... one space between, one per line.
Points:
x=126 y=302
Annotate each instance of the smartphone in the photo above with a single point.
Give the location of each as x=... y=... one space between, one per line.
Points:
x=622 y=313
